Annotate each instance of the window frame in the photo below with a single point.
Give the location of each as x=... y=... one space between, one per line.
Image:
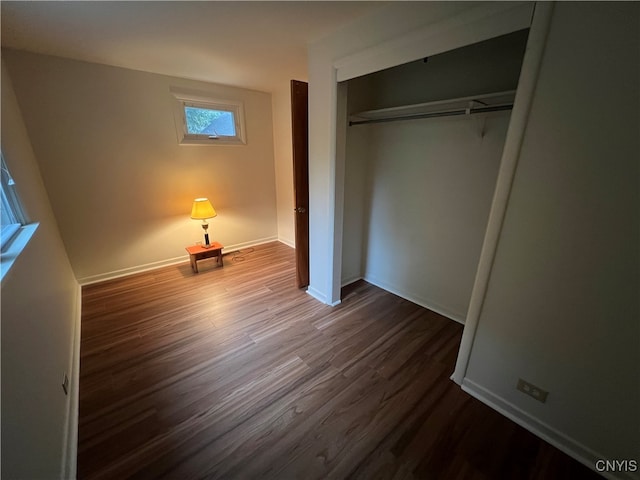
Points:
x=15 y=236
x=11 y=206
x=184 y=98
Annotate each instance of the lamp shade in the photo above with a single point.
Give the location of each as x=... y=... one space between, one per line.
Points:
x=202 y=209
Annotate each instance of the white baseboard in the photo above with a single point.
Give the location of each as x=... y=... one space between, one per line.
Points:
x=321 y=297
x=70 y=453
x=252 y=243
x=562 y=442
x=350 y=280
x=101 y=277
x=288 y=242
x=317 y=295
x=417 y=300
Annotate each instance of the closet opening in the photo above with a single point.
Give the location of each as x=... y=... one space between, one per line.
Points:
x=422 y=152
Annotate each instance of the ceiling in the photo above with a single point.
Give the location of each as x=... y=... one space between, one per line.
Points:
x=256 y=45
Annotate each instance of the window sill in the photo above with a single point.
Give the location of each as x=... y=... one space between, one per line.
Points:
x=13 y=249
x=8 y=232
x=186 y=140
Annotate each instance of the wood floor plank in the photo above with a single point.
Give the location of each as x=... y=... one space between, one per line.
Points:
x=235 y=373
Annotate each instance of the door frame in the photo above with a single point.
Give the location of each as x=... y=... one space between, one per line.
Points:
x=331 y=63
x=300 y=145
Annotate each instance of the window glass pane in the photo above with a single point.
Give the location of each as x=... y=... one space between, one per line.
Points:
x=7 y=215
x=205 y=121
x=11 y=212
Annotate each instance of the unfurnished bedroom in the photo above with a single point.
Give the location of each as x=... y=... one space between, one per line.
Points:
x=299 y=240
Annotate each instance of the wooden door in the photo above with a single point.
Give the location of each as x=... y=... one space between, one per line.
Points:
x=300 y=135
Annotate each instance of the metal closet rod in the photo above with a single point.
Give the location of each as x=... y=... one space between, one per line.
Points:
x=447 y=113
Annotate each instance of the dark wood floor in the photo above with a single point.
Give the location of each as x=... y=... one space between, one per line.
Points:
x=235 y=373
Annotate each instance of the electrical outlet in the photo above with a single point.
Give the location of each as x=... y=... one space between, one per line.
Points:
x=533 y=391
x=65 y=384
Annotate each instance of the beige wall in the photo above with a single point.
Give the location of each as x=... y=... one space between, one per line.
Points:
x=40 y=316
x=283 y=158
x=120 y=185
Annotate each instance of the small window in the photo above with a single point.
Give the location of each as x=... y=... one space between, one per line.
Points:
x=12 y=215
x=210 y=122
x=201 y=120
x=15 y=231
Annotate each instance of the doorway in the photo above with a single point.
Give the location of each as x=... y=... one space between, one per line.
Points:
x=300 y=137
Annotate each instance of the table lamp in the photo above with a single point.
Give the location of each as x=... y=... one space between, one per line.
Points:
x=203 y=210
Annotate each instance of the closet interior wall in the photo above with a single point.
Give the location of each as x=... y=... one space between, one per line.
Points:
x=418 y=192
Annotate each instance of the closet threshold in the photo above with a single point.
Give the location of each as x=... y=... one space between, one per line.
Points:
x=485 y=103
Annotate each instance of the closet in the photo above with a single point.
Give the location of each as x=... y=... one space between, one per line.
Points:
x=423 y=149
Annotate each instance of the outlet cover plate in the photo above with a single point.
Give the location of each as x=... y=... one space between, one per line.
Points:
x=533 y=391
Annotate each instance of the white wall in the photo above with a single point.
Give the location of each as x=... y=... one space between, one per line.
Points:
x=395 y=34
x=357 y=192
x=489 y=66
x=120 y=185
x=429 y=194
x=40 y=315
x=561 y=309
x=418 y=192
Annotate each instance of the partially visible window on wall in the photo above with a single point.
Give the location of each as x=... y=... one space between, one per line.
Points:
x=12 y=215
x=16 y=233
x=202 y=120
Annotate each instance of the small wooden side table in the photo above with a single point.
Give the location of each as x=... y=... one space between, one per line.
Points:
x=200 y=252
